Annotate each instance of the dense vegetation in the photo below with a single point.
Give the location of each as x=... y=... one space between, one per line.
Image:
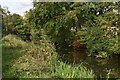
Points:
x=48 y=26
x=37 y=61
x=93 y=23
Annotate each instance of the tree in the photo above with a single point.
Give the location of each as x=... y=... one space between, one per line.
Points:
x=89 y=19
x=12 y=21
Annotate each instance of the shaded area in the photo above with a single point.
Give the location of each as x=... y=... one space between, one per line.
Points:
x=103 y=68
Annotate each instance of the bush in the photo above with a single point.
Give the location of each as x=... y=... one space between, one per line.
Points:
x=98 y=44
x=36 y=63
x=12 y=41
x=41 y=61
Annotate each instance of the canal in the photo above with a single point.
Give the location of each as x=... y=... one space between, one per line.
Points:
x=103 y=68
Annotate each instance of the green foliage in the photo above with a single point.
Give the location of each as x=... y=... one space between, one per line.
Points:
x=12 y=41
x=16 y=20
x=63 y=70
x=9 y=56
x=90 y=19
x=35 y=35
x=34 y=63
x=97 y=42
x=50 y=23
x=23 y=31
x=11 y=21
x=94 y=32
x=39 y=61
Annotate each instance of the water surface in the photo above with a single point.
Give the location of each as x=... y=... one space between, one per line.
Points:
x=103 y=68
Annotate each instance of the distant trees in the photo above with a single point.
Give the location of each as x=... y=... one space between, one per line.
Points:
x=15 y=24
x=12 y=21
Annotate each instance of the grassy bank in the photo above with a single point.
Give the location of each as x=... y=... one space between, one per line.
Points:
x=37 y=61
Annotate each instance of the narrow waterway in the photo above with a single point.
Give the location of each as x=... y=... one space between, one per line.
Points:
x=103 y=68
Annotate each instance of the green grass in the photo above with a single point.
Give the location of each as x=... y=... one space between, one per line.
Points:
x=8 y=58
x=63 y=70
x=0 y=58
x=39 y=61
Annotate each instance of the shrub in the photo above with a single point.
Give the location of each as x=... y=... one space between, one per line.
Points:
x=99 y=44
x=12 y=41
x=36 y=63
x=40 y=61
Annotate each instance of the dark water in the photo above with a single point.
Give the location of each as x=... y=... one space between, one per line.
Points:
x=109 y=67
x=103 y=68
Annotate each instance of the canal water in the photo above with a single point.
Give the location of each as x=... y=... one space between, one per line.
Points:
x=103 y=68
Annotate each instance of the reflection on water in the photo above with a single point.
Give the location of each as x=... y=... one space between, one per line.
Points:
x=103 y=68
x=79 y=56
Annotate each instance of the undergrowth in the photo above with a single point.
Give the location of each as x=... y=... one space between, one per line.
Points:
x=12 y=41
x=38 y=61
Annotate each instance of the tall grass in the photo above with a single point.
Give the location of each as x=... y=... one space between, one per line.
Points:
x=63 y=70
